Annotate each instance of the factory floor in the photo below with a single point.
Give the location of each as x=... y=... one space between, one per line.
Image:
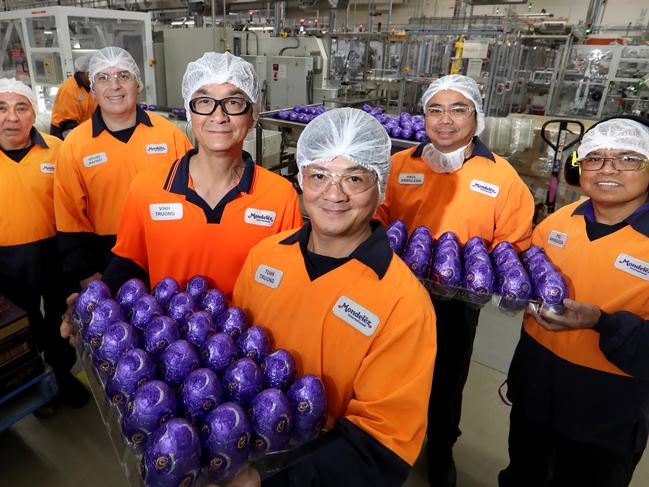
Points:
x=72 y=449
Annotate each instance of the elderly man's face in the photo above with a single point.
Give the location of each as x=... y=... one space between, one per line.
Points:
x=17 y=118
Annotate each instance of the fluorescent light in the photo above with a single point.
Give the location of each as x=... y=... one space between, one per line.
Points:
x=48 y=32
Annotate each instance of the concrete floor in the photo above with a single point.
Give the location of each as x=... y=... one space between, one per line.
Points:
x=72 y=449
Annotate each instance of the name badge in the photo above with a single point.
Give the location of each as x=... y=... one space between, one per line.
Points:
x=264 y=218
x=411 y=178
x=166 y=211
x=633 y=266
x=485 y=188
x=558 y=239
x=268 y=276
x=156 y=149
x=356 y=315
x=47 y=168
x=95 y=159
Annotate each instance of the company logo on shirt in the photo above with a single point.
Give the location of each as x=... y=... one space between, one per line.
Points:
x=268 y=276
x=81 y=97
x=95 y=159
x=411 y=178
x=485 y=188
x=356 y=315
x=264 y=218
x=633 y=266
x=166 y=211
x=47 y=168
x=156 y=149
x=558 y=239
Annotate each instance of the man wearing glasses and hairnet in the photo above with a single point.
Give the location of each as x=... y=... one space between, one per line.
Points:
x=455 y=183
x=579 y=380
x=349 y=310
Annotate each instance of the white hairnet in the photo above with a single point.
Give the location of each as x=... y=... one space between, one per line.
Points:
x=220 y=68
x=616 y=134
x=113 y=57
x=465 y=86
x=12 y=85
x=82 y=62
x=349 y=133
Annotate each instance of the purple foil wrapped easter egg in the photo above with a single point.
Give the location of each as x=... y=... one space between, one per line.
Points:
x=214 y=303
x=272 y=421
x=173 y=457
x=407 y=133
x=502 y=247
x=502 y=259
x=117 y=339
x=418 y=262
x=515 y=287
x=134 y=368
x=531 y=252
x=540 y=269
x=87 y=300
x=218 y=352
x=161 y=332
x=105 y=312
x=254 y=343
x=366 y=108
x=551 y=288
x=293 y=116
x=177 y=361
x=196 y=287
x=395 y=132
x=446 y=269
x=180 y=307
x=225 y=440
x=197 y=328
x=242 y=381
x=200 y=393
x=131 y=291
x=397 y=236
x=144 y=311
x=166 y=289
x=298 y=109
x=479 y=278
x=152 y=405
x=232 y=321
x=308 y=402
x=283 y=114
x=279 y=369
x=421 y=136
x=473 y=243
x=448 y=236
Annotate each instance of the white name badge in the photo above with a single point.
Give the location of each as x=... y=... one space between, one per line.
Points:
x=264 y=218
x=633 y=266
x=411 y=178
x=166 y=211
x=47 y=168
x=95 y=159
x=354 y=314
x=268 y=276
x=558 y=239
x=156 y=149
x=485 y=188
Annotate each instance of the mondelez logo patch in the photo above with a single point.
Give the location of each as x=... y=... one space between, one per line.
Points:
x=633 y=266
x=265 y=218
x=356 y=315
x=485 y=188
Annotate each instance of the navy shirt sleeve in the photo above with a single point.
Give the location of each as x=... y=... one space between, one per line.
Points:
x=624 y=340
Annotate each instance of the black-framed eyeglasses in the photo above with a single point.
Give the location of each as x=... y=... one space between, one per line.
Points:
x=620 y=163
x=232 y=105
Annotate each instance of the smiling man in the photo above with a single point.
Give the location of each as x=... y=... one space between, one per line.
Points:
x=99 y=159
x=579 y=382
x=455 y=183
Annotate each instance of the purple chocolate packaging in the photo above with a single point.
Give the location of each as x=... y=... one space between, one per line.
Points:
x=180 y=307
x=272 y=421
x=242 y=381
x=144 y=310
x=177 y=361
x=152 y=405
x=397 y=236
x=105 y=312
x=87 y=300
x=196 y=287
x=254 y=343
x=200 y=393
x=197 y=328
x=164 y=290
x=129 y=293
x=134 y=368
x=118 y=338
x=161 y=332
x=214 y=303
x=551 y=288
x=279 y=369
x=218 y=352
x=232 y=321
x=308 y=401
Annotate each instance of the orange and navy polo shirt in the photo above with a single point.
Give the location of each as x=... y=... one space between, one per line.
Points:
x=73 y=104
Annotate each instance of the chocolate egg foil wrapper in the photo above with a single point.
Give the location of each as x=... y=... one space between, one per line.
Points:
x=418 y=262
x=502 y=247
x=446 y=269
x=232 y=321
x=143 y=311
x=474 y=243
x=308 y=401
x=551 y=288
x=118 y=338
x=87 y=300
x=197 y=286
x=197 y=328
x=225 y=440
x=242 y=381
x=514 y=287
x=177 y=361
x=180 y=307
x=448 y=236
x=173 y=457
x=500 y=260
x=541 y=269
x=161 y=332
x=279 y=369
x=134 y=368
x=201 y=392
x=479 y=278
x=531 y=252
x=254 y=343
x=164 y=290
x=397 y=236
x=214 y=303
x=218 y=352
x=129 y=293
x=105 y=312
x=152 y=405
x=272 y=421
